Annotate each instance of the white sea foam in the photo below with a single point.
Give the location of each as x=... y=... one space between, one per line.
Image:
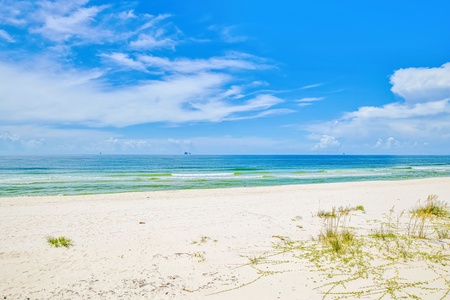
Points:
x=202 y=175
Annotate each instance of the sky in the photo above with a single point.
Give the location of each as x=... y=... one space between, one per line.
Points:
x=224 y=77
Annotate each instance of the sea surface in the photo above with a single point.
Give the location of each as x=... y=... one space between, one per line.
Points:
x=95 y=174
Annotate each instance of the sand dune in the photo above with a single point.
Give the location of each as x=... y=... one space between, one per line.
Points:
x=239 y=243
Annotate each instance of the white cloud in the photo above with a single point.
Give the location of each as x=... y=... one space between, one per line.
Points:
x=311 y=86
x=401 y=111
x=61 y=20
x=429 y=121
x=125 y=61
x=12 y=11
x=389 y=143
x=422 y=119
x=327 y=143
x=78 y=22
x=154 y=21
x=5 y=35
x=184 y=65
x=422 y=84
x=75 y=97
x=149 y=42
x=228 y=34
x=127 y=15
x=308 y=101
x=52 y=87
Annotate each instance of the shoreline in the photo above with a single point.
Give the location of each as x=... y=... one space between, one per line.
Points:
x=223 y=188
x=205 y=243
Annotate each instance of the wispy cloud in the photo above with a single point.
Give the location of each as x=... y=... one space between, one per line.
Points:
x=124 y=60
x=229 y=33
x=308 y=101
x=58 y=21
x=12 y=12
x=185 y=65
x=311 y=86
x=173 y=90
x=5 y=36
x=65 y=98
x=149 y=42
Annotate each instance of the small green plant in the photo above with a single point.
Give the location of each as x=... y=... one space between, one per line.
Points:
x=360 y=208
x=385 y=233
x=341 y=211
x=61 y=241
x=200 y=256
x=203 y=239
x=443 y=233
x=255 y=260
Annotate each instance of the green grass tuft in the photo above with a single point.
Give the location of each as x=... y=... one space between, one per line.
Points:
x=360 y=208
x=432 y=207
x=61 y=241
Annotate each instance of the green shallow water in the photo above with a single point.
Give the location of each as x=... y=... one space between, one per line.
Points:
x=78 y=175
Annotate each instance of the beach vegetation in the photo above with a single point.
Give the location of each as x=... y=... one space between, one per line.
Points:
x=423 y=215
x=199 y=256
x=203 y=239
x=432 y=207
x=443 y=233
x=340 y=211
x=419 y=224
x=390 y=228
x=335 y=232
x=370 y=263
x=360 y=208
x=61 y=241
x=255 y=260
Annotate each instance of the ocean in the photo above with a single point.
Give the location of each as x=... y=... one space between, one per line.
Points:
x=98 y=174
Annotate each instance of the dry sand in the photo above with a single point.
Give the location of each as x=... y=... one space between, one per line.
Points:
x=237 y=243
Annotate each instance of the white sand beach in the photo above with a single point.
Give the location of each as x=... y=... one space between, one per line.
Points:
x=237 y=243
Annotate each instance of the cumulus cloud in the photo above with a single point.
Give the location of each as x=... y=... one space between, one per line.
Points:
x=423 y=118
x=327 y=142
x=389 y=143
x=422 y=84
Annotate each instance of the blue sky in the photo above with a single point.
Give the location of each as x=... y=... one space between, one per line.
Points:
x=224 y=77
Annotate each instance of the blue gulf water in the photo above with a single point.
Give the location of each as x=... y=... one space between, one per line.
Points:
x=75 y=175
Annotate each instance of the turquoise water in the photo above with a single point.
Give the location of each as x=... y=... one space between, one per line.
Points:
x=76 y=175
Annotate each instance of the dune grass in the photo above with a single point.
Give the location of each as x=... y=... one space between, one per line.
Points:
x=423 y=215
x=377 y=264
